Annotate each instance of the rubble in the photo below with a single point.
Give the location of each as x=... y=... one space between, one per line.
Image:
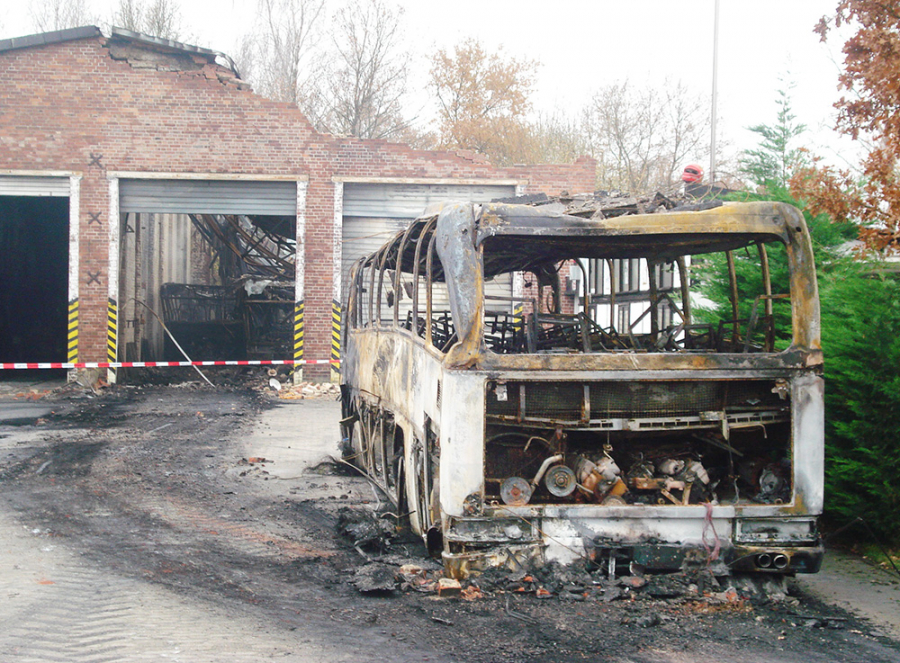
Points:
x=375 y=578
x=666 y=586
x=306 y=390
x=649 y=621
x=609 y=204
x=448 y=587
x=576 y=582
x=365 y=529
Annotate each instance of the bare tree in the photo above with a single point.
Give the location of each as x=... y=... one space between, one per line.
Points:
x=163 y=19
x=366 y=82
x=559 y=137
x=49 y=15
x=642 y=137
x=630 y=126
x=687 y=129
x=352 y=83
x=159 y=18
x=129 y=15
x=276 y=56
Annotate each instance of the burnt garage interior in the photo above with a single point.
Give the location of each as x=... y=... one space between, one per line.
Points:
x=34 y=236
x=211 y=260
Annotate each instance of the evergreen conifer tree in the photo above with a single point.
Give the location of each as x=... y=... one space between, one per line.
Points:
x=773 y=162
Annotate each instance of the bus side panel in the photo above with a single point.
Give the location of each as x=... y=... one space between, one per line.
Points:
x=422 y=407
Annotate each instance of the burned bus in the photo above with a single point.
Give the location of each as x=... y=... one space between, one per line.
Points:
x=513 y=429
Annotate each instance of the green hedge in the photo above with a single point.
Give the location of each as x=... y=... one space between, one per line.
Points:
x=861 y=340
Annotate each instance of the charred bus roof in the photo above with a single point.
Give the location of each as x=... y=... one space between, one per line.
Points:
x=514 y=230
x=520 y=237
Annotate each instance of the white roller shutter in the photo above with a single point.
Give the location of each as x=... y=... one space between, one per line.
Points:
x=375 y=212
x=208 y=197
x=408 y=201
x=363 y=236
x=16 y=185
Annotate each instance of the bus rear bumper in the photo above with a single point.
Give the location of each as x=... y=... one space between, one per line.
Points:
x=475 y=544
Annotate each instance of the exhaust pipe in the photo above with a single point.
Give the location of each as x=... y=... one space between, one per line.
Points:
x=764 y=560
x=780 y=561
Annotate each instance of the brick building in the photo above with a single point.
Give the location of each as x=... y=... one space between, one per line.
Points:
x=109 y=141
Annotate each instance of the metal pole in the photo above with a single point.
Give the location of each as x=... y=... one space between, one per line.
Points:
x=715 y=85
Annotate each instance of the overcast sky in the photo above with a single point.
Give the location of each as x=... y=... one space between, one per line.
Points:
x=585 y=44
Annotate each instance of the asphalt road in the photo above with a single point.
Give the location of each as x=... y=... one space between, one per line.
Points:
x=190 y=524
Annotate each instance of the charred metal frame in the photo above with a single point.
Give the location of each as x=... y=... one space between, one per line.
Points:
x=434 y=379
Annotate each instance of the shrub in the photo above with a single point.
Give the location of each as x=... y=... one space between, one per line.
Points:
x=861 y=339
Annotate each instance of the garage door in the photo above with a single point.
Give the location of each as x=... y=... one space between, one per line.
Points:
x=408 y=201
x=34 y=186
x=38 y=305
x=208 y=197
x=373 y=213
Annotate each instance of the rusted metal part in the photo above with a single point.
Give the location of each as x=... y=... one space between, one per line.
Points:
x=264 y=245
x=749 y=364
x=463 y=266
x=427 y=231
x=733 y=296
x=613 y=288
x=767 y=278
x=654 y=299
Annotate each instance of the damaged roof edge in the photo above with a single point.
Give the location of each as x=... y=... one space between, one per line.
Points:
x=88 y=31
x=122 y=33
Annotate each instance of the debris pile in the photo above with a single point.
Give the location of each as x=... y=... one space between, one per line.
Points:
x=375 y=578
x=366 y=530
x=253 y=466
x=609 y=204
x=378 y=538
x=576 y=582
x=572 y=584
x=306 y=390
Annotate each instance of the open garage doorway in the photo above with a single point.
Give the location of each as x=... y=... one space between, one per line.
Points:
x=34 y=272
x=213 y=262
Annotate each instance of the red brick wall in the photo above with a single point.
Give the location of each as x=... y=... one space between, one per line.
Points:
x=62 y=103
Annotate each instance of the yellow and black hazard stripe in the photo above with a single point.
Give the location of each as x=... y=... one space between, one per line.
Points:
x=335 y=341
x=518 y=316
x=112 y=327
x=72 y=333
x=298 y=335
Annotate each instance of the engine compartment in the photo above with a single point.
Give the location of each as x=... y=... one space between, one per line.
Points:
x=638 y=443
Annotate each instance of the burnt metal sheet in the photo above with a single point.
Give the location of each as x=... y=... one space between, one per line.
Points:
x=665 y=236
x=462 y=261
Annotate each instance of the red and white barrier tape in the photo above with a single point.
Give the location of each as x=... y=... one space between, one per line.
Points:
x=166 y=364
